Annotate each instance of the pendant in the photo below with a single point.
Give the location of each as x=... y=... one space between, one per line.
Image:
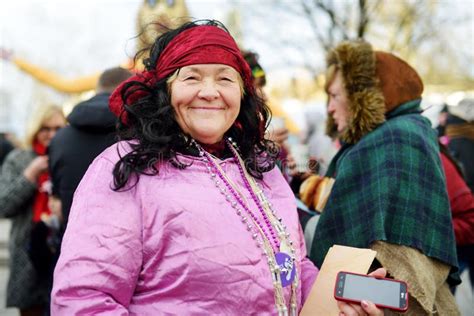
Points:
x=284 y=248
x=287 y=268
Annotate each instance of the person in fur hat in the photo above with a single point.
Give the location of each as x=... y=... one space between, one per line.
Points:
x=389 y=192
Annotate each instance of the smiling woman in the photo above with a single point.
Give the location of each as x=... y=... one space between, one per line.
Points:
x=197 y=215
x=206 y=99
x=200 y=80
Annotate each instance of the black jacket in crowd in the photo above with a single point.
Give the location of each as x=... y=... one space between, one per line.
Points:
x=462 y=149
x=5 y=148
x=91 y=130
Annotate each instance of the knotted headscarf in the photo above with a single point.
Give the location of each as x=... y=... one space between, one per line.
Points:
x=202 y=44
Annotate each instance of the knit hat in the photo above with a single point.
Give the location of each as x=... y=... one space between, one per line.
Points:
x=399 y=82
x=376 y=82
x=464 y=109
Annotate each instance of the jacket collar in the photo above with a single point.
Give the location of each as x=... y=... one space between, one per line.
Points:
x=405 y=108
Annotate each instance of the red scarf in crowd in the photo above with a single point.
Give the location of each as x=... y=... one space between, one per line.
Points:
x=40 y=203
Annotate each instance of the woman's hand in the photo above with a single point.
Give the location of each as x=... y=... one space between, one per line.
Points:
x=365 y=307
x=36 y=166
x=55 y=205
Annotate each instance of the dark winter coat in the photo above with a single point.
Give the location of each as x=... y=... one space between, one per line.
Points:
x=461 y=145
x=90 y=130
x=5 y=148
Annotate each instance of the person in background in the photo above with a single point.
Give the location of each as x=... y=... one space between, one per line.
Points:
x=442 y=120
x=461 y=202
x=389 y=192
x=187 y=214
x=24 y=186
x=459 y=134
x=320 y=145
x=278 y=134
x=91 y=129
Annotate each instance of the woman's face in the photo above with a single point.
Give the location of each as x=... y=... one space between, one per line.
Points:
x=49 y=128
x=206 y=99
x=338 y=106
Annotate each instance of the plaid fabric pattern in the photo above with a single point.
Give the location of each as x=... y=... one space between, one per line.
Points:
x=389 y=186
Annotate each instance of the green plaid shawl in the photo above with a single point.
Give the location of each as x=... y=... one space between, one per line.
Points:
x=390 y=187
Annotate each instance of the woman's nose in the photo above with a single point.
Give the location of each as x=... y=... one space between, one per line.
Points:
x=331 y=107
x=50 y=136
x=208 y=91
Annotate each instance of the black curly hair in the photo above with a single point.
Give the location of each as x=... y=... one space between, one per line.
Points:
x=155 y=136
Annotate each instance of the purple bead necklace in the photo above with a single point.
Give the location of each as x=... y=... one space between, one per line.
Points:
x=216 y=172
x=260 y=201
x=267 y=228
x=281 y=255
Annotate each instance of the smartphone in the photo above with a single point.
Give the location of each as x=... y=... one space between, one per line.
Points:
x=385 y=293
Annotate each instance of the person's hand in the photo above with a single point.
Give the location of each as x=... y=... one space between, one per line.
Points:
x=35 y=168
x=55 y=206
x=278 y=135
x=6 y=54
x=365 y=307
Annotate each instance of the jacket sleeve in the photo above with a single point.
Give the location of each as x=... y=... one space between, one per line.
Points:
x=101 y=253
x=463 y=223
x=15 y=189
x=55 y=166
x=461 y=201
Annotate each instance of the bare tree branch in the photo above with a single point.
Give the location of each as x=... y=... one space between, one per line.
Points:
x=363 y=19
x=312 y=21
x=413 y=29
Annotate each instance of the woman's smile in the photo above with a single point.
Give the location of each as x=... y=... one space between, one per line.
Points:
x=206 y=99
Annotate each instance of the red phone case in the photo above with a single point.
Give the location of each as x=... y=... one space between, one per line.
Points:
x=378 y=305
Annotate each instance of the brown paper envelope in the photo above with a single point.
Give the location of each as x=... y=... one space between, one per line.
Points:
x=339 y=258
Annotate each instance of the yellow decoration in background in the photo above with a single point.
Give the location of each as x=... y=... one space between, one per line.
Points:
x=169 y=13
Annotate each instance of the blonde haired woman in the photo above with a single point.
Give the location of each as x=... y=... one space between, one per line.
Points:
x=23 y=198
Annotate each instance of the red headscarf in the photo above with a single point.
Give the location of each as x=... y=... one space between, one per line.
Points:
x=203 y=44
x=40 y=202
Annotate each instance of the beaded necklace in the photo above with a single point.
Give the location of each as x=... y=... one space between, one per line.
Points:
x=271 y=236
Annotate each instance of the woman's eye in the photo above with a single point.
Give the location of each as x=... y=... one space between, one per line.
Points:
x=190 y=78
x=226 y=79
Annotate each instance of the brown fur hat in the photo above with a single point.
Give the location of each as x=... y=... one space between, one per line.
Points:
x=376 y=83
